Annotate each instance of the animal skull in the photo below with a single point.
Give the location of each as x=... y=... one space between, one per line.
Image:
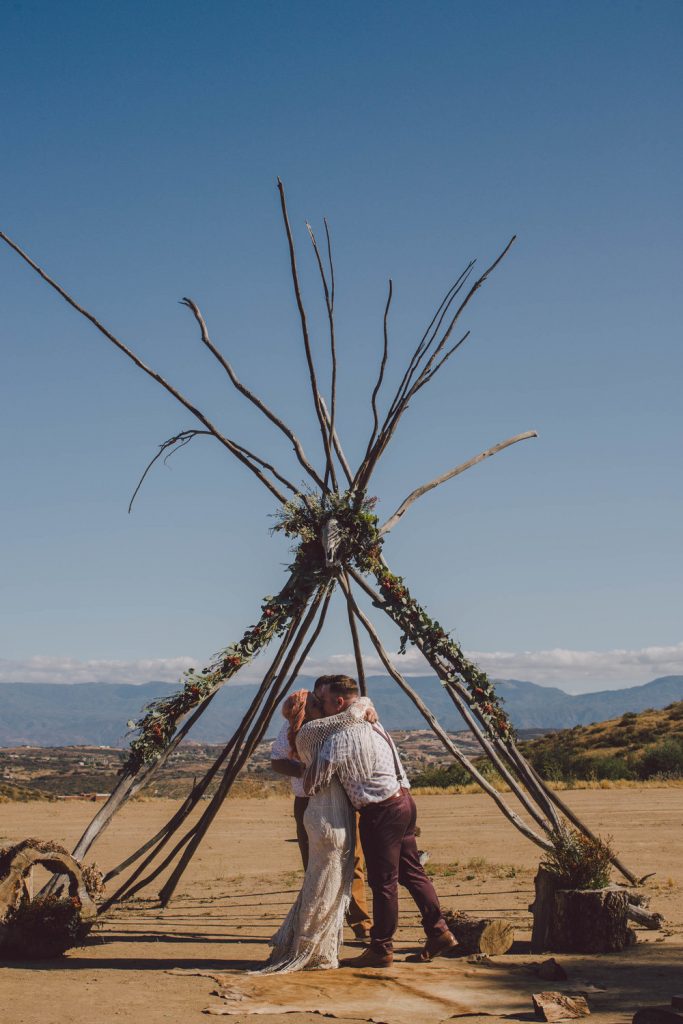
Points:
x=330 y=537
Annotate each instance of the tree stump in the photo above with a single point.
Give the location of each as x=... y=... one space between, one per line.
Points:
x=590 y=921
x=578 y=920
x=543 y=909
x=488 y=935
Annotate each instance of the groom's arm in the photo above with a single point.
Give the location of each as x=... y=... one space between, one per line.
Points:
x=294 y=769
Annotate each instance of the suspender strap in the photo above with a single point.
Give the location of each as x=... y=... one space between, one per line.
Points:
x=392 y=748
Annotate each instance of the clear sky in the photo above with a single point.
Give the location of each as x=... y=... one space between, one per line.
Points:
x=141 y=143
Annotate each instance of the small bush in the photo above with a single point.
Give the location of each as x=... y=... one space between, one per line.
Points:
x=441 y=777
x=664 y=759
x=615 y=767
x=577 y=861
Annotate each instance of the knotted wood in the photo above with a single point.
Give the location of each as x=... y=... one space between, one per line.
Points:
x=488 y=935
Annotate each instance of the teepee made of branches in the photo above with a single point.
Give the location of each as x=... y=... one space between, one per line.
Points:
x=338 y=545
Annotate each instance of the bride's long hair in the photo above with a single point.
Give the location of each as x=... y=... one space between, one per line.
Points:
x=294 y=710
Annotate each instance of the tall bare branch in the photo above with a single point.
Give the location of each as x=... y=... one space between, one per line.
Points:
x=304 y=324
x=426 y=373
x=329 y=305
x=343 y=461
x=419 y=491
x=511 y=815
x=248 y=394
x=232 y=447
x=382 y=367
x=357 y=653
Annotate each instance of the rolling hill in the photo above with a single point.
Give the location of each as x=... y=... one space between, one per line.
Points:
x=44 y=714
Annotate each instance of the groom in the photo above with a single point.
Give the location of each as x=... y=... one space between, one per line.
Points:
x=387 y=830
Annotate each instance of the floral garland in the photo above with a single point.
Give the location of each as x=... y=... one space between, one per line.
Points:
x=302 y=519
x=429 y=636
x=304 y=516
x=158 y=724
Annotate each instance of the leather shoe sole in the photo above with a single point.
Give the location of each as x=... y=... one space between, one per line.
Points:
x=369 y=959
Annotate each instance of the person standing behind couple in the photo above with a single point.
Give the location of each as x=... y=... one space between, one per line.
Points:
x=283 y=762
x=387 y=828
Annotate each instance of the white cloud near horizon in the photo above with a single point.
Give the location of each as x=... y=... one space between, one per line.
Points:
x=571 y=670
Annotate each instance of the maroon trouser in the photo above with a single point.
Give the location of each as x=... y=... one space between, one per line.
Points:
x=387 y=832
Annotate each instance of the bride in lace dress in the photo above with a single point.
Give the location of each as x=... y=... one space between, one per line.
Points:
x=311 y=935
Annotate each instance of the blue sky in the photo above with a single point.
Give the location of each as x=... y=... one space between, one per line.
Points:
x=141 y=144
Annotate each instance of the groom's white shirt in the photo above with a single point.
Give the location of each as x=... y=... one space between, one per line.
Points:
x=280 y=752
x=334 y=757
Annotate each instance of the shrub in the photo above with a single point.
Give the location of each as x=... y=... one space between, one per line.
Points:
x=663 y=758
x=615 y=767
x=577 y=861
x=450 y=775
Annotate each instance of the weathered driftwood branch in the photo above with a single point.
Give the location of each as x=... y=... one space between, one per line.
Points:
x=249 y=394
x=542 y=793
x=198 y=790
x=436 y=727
x=179 y=441
x=360 y=670
x=131 y=783
x=478 y=727
x=232 y=447
x=200 y=787
x=425 y=488
x=304 y=326
x=174 y=443
x=380 y=376
x=427 y=339
x=644 y=917
x=24 y=857
x=343 y=461
x=424 y=375
x=132 y=884
x=329 y=305
x=258 y=731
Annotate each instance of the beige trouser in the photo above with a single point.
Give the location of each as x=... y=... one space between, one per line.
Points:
x=358 y=915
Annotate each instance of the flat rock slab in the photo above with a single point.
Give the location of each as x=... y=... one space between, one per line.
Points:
x=555 y=1006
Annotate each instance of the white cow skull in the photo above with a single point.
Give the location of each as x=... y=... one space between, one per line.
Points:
x=330 y=537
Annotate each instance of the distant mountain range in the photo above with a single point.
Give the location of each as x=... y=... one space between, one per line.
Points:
x=47 y=714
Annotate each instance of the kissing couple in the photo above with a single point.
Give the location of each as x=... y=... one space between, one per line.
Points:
x=348 y=763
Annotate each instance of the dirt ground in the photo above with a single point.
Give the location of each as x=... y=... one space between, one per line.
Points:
x=246 y=875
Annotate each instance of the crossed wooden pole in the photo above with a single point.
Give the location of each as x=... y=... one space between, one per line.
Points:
x=541 y=811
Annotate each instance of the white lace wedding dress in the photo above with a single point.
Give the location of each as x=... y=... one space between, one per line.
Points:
x=311 y=935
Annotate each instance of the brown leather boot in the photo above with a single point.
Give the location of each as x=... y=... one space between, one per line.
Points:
x=361 y=932
x=435 y=946
x=370 y=957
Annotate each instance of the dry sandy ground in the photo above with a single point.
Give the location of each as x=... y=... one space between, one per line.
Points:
x=246 y=874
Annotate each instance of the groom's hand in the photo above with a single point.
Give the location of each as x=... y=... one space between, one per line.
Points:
x=294 y=769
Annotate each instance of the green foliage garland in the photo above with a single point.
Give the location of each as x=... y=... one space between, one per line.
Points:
x=158 y=724
x=427 y=634
x=302 y=519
